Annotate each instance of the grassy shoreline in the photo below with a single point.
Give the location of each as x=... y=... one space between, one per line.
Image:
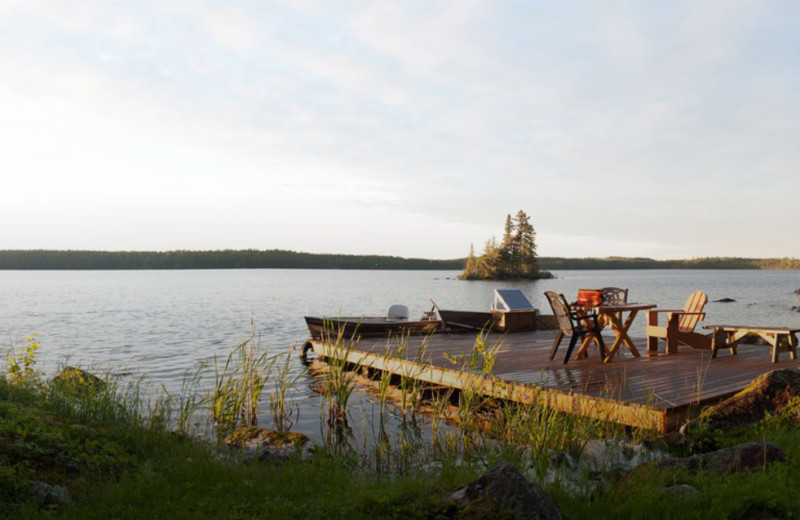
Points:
x=80 y=446
x=116 y=455
x=117 y=462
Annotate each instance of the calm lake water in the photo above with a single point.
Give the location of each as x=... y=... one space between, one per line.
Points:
x=161 y=324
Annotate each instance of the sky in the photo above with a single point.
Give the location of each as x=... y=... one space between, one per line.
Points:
x=656 y=129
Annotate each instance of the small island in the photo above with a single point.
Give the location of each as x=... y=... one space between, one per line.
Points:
x=514 y=258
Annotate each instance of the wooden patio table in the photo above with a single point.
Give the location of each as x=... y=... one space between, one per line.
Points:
x=613 y=315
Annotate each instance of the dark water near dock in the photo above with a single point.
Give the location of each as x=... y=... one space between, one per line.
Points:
x=161 y=324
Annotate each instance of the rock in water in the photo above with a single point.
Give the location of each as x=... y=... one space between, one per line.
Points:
x=504 y=492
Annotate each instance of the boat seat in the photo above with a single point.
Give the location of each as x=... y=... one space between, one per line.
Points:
x=398 y=312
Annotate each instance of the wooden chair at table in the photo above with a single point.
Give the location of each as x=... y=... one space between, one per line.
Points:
x=575 y=324
x=679 y=329
x=614 y=295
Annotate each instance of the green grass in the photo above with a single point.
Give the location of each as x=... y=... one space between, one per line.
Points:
x=186 y=481
x=119 y=458
x=773 y=488
x=119 y=462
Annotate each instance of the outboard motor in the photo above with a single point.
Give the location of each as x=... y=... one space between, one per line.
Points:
x=398 y=312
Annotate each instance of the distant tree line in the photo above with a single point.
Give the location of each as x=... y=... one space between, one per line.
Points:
x=282 y=259
x=615 y=262
x=221 y=259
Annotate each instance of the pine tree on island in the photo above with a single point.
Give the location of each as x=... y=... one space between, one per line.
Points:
x=513 y=258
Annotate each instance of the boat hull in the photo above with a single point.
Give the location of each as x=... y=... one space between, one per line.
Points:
x=367 y=326
x=466 y=320
x=497 y=321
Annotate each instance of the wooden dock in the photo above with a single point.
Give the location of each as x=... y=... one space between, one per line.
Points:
x=656 y=393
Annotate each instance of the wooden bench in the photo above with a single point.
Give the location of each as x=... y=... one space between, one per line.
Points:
x=728 y=336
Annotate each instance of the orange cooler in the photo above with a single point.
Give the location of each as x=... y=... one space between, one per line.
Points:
x=590 y=297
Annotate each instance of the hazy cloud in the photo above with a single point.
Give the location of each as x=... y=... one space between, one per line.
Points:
x=314 y=126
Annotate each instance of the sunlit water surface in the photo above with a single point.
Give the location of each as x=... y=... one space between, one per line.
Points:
x=163 y=324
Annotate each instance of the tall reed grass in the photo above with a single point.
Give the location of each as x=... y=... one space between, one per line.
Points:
x=479 y=361
x=185 y=404
x=283 y=414
x=428 y=423
x=238 y=384
x=340 y=379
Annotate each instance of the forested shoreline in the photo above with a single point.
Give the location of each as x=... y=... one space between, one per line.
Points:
x=282 y=259
x=219 y=259
x=557 y=263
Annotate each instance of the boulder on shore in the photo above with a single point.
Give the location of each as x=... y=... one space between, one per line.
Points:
x=79 y=380
x=262 y=444
x=504 y=492
x=748 y=455
x=679 y=491
x=49 y=494
x=769 y=393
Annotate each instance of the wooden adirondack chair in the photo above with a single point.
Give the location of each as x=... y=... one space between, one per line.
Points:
x=679 y=329
x=577 y=325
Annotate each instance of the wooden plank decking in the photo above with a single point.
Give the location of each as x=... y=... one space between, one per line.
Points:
x=650 y=392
